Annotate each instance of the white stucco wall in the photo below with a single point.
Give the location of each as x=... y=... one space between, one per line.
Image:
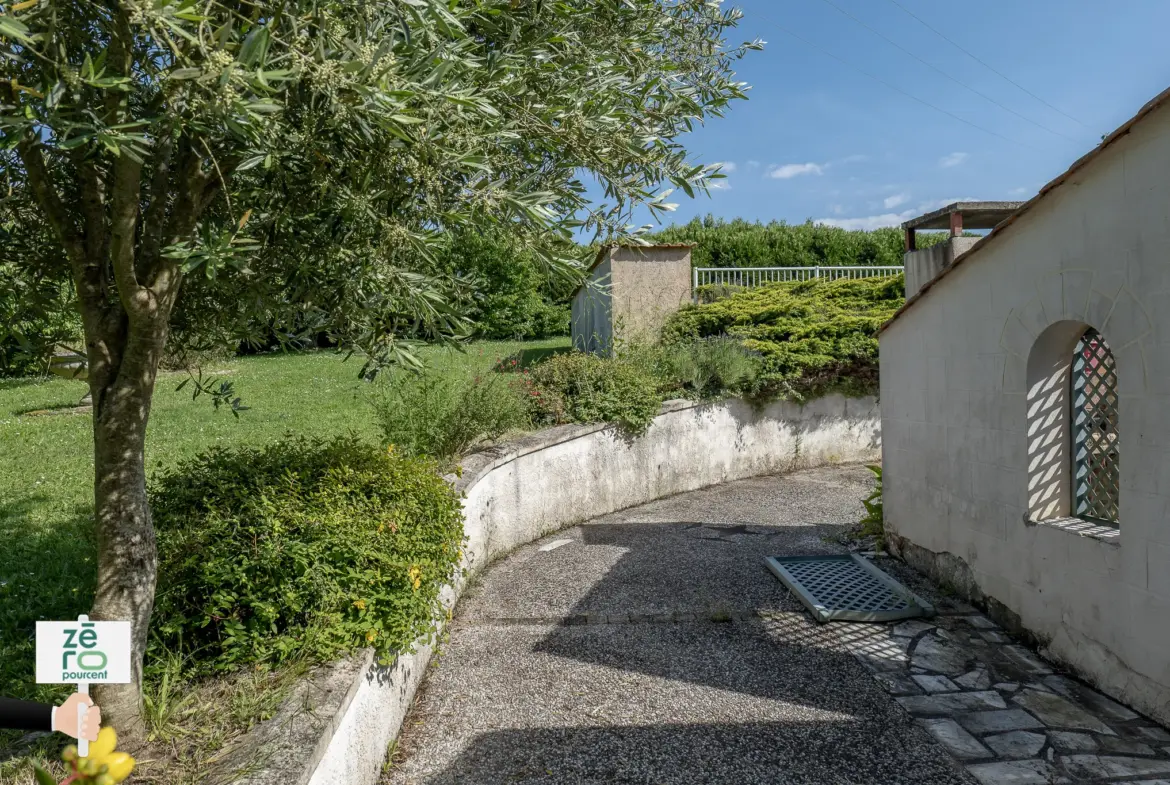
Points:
x=923 y=265
x=961 y=470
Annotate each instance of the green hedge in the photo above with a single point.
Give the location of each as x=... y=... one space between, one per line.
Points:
x=302 y=549
x=739 y=243
x=513 y=297
x=814 y=336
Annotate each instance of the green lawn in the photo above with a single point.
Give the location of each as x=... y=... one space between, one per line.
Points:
x=46 y=468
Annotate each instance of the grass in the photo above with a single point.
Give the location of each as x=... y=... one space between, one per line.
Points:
x=47 y=568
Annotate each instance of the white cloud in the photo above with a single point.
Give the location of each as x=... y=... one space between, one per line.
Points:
x=1020 y=191
x=954 y=159
x=890 y=202
x=867 y=222
x=837 y=209
x=934 y=204
x=853 y=159
x=787 y=171
x=720 y=185
x=727 y=167
x=753 y=164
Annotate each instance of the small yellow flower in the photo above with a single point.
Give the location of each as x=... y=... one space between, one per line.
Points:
x=371 y=635
x=105 y=743
x=415 y=577
x=360 y=605
x=389 y=449
x=118 y=765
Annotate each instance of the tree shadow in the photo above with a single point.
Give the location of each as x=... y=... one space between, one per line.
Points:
x=54 y=408
x=45 y=573
x=693 y=605
x=26 y=381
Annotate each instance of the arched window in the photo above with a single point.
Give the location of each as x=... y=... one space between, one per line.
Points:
x=1093 y=397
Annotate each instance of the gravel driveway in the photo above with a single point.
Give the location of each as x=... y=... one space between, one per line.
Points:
x=653 y=646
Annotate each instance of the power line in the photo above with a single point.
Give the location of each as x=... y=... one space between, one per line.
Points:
x=895 y=88
x=986 y=65
x=933 y=67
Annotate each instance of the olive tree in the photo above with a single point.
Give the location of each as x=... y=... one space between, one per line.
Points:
x=294 y=160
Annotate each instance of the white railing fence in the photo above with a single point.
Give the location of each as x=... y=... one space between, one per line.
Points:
x=758 y=276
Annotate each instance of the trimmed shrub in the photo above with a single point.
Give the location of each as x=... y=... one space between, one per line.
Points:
x=436 y=415
x=813 y=336
x=586 y=388
x=302 y=549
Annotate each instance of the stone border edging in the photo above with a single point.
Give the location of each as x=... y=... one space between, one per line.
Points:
x=336 y=727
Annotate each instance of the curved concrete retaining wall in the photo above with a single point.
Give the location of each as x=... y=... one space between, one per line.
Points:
x=337 y=726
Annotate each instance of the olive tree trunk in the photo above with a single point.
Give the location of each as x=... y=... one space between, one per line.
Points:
x=113 y=227
x=127 y=557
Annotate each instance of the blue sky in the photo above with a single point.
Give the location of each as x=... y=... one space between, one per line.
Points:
x=819 y=140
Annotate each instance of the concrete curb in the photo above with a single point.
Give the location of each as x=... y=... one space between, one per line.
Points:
x=336 y=727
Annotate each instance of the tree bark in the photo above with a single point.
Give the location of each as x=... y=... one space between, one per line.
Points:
x=127 y=555
x=126 y=292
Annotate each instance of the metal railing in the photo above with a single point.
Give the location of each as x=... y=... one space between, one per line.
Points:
x=758 y=276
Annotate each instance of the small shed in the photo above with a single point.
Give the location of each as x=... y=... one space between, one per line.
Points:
x=628 y=294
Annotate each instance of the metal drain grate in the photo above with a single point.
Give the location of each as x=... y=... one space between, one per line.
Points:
x=846 y=588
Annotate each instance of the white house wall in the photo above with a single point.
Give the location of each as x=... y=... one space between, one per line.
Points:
x=954 y=405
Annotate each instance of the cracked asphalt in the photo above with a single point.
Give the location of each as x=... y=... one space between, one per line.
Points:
x=653 y=646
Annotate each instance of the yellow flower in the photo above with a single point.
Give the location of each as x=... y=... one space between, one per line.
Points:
x=360 y=605
x=106 y=741
x=118 y=765
x=415 y=577
x=371 y=635
x=389 y=449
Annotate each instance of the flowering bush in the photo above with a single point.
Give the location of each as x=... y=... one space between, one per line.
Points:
x=301 y=549
x=585 y=388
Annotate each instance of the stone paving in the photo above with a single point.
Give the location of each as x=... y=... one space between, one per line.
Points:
x=653 y=646
x=1000 y=709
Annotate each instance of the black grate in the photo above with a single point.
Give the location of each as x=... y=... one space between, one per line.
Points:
x=1096 y=476
x=847 y=588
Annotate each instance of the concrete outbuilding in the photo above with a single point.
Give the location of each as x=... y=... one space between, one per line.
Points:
x=924 y=264
x=1025 y=389
x=629 y=293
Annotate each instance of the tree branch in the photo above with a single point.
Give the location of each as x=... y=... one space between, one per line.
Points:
x=154 y=221
x=47 y=198
x=93 y=207
x=123 y=225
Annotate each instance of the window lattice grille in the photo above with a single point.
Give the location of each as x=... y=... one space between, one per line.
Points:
x=1096 y=478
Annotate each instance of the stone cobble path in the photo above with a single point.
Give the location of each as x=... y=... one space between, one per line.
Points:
x=653 y=646
x=1003 y=711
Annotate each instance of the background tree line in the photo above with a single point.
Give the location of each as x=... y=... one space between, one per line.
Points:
x=496 y=277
